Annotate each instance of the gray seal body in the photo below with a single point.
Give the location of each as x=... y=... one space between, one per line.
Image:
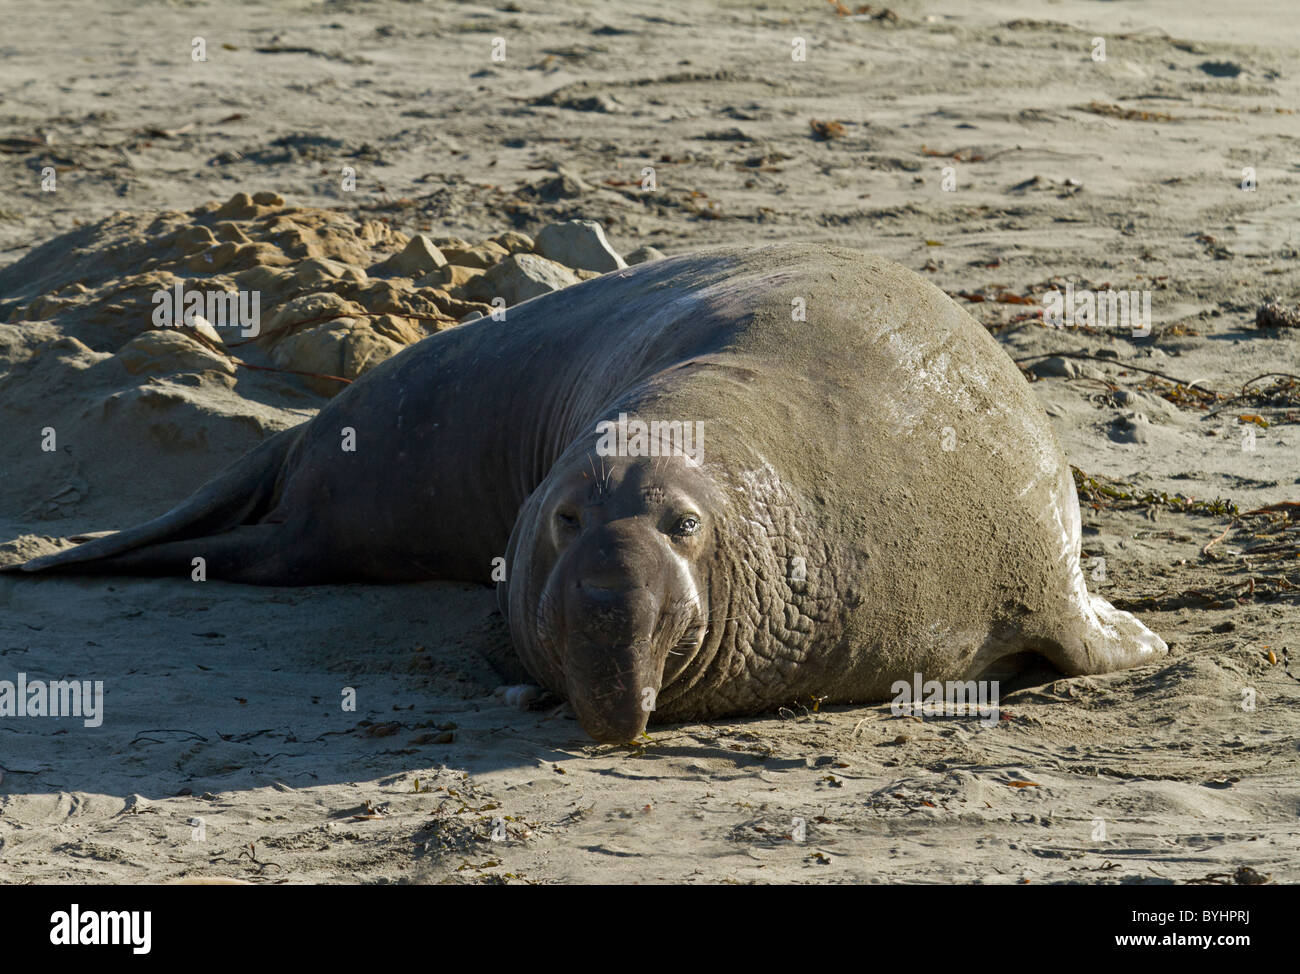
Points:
x=720 y=483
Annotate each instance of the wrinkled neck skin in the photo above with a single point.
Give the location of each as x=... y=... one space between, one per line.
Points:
x=616 y=605
x=774 y=621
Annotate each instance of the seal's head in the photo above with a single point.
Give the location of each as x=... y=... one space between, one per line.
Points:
x=609 y=583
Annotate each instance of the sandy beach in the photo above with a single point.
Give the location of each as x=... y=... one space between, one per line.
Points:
x=995 y=148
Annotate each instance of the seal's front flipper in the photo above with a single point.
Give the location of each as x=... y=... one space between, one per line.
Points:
x=1102 y=639
x=240 y=494
x=1119 y=640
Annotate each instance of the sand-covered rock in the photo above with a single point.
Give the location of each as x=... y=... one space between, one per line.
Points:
x=81 y=416
x=579 y=244
x=167 y=352
x=643 y=254
x=1275 y=314
x=305 y=310
x=103 y=281
x=272 y=283
x=344 y=348
x=482 y=256
x=111 y=283
x=445 y=244
x=520 y=277
x=87 y=351
x=450 y=276
x=419 y=258
x=316 y=271
x=514 y=242
x=325 y=335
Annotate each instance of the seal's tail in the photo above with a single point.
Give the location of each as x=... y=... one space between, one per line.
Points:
x=225 y=508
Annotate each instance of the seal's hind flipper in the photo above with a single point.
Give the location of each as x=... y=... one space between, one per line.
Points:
x=254 y=554
x=240 y=494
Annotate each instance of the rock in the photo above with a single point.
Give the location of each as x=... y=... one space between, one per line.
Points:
x=1132 y=427
x=381 y=296
x=563 y=185
x=644 y=254
x=420 y=257
x=200 y=326
x=454 y=307
x=485 y=255
x=231 y=256
x=258 y=254
x=239 y=207
x=194 y=239
x=213 y=259
x=1274 y=314
x=450 y=276
x=100 y=279
x=520 y=277
x=307 y=307
x=1155 y=409
x=164 y=352
x=229 y=230
x=579 y=244
x=307 y=233
x=346 y=347
x=515 y=242
x=402 y=330
x=272 y=283
x=450 y=243
x=268 y=199
x=1057 y=366
x=318 y=270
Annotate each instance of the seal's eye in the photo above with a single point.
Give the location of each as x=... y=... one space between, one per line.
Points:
x=567 y=519
x=687 y=525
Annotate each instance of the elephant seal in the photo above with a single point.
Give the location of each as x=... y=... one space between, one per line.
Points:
x=720 y=483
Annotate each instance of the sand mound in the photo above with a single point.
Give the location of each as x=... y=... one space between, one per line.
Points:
x=174 y=342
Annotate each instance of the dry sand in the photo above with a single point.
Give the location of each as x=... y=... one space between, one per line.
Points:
x=224 y=750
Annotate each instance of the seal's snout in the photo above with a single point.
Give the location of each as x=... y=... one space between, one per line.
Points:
x=613 y=604
x=614 y=615
x=613 y=595
x=612 y=688
x=612 y=668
